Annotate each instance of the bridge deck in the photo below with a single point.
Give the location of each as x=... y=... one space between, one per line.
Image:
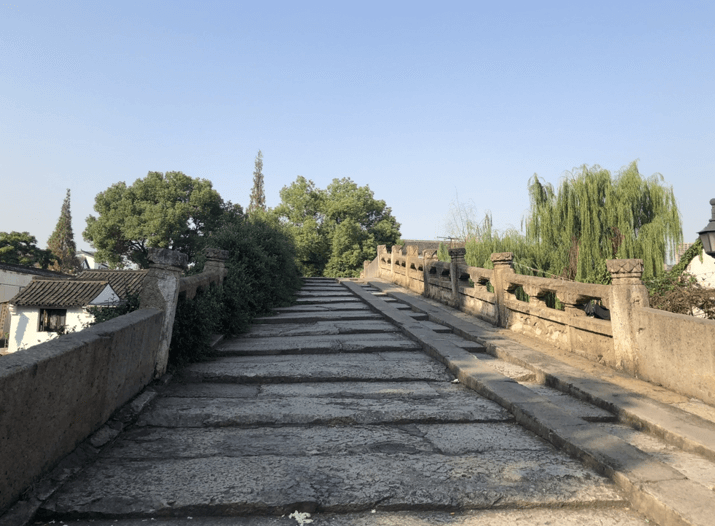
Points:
x=321 y=411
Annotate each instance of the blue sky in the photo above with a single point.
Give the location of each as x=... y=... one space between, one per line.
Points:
x=422 y=101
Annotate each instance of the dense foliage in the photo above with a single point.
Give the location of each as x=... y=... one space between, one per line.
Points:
x=336 y=229
x=20 y=248
x=593 y=217
x=677 y=291
x=170 y=210
x=572 y=231
x=262 y=274
x=61 y=242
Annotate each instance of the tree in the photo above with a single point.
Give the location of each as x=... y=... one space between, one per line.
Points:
x=169 y=210
x=258 y=194
x=594 y=217
x=61 y=242
x=20 y=248
x=336 y=229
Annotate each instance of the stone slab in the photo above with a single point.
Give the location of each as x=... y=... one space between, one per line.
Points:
x=307 y=317
x=317 y=344
x=573 y=405
x=210 y=390
x=334 y=299
x=444 y=439
x=398 y=366
x=318 y=328
x=347 y=483
x=602 y=516
x=695 y=467
x=320 y=307
x=515 y=372
x=378 y=390
x=337 y=292
x=460 y=406
x=436 y=327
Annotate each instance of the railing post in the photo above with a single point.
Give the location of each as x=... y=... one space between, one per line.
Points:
x=457 y=255
x=160 y=290
x=427 y=257
x=216 y=262
x=627 y=294
x=502 y=262
x=396 y=249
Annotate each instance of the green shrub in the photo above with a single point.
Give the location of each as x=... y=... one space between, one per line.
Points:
x=196 y=321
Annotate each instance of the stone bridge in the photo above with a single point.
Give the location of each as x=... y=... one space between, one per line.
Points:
x=423 y=393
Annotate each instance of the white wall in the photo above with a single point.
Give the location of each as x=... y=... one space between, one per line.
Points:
x=704 y=271
x=26 y=320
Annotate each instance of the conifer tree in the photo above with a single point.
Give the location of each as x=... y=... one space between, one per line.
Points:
x=258 y=194
x=61 y=242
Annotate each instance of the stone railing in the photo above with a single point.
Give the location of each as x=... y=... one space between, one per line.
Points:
x=54 y=395
x=672 y=350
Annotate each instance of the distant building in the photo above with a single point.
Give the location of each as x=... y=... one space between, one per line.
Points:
x=87 y=261
x=45 y=307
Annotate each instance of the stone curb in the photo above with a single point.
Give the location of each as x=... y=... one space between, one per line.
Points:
x=653 y=488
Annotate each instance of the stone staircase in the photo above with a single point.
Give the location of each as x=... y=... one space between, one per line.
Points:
x=326 y=408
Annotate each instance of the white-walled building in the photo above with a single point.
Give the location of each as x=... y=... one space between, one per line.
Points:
x=45 y=307
x=14 y=278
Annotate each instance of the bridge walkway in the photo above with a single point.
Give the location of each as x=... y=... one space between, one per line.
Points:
x=328 y=408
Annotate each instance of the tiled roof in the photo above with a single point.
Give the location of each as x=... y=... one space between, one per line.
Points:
x=59 y=293
x=123 y=282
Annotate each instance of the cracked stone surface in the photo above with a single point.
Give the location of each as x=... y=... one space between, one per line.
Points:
x=315 y=343
x=384 y=366
x=318 y=328
x=277 y=484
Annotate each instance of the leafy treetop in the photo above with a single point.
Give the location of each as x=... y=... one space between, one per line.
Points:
x=170 y=210
x=20 y=248
x=335 y=229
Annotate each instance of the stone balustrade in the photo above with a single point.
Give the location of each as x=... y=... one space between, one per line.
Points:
x=672 y=350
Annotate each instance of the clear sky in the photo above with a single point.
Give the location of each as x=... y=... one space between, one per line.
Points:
x=422 y=101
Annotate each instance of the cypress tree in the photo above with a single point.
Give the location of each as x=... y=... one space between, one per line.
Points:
x=61 y=242
x=594 y=217
x=258 y=194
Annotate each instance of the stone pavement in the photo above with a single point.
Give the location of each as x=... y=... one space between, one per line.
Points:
x=325 y=408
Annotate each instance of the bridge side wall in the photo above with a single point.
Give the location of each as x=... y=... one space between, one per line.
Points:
x=677 y=351
x=672 y=350
x=54 y=395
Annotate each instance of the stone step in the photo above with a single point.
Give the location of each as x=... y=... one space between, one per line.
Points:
x=378 y=366
x=296 y=441
x=324 y=293
x=334 y=343
x=568 y=516
x=279 y=485
x=322 y=288
x=335 y=306
x=335 y=299
x=276 y=408
x=436 y=327
x=419 y=316
x=572 y=405
x=308 y=317
x=264 y=330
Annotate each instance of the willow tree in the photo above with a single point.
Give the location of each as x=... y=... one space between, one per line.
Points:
x=594 y=216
